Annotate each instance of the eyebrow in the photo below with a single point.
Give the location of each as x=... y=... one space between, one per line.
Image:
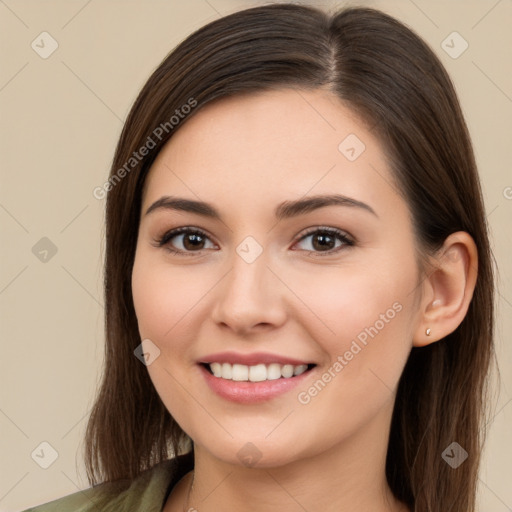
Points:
x=284 y=210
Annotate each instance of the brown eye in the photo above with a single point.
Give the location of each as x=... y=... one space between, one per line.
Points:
x=324 y=240
x=191 y=240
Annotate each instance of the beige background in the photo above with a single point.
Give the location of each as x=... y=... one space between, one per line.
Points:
x=60 y=120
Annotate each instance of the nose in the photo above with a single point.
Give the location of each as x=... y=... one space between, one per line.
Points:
x=250 y=297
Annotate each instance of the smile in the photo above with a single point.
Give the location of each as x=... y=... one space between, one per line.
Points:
x=256 y=373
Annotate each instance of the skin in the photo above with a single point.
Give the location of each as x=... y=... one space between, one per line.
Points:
x=245 y=155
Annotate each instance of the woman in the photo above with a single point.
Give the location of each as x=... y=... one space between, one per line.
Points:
x=299 y=286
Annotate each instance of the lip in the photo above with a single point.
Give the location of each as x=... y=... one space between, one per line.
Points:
x=244 y=392
x=251 y=359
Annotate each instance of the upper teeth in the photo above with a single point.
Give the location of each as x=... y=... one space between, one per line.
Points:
x=257 y=373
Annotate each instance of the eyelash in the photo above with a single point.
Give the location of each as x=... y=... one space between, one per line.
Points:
x=340 y=235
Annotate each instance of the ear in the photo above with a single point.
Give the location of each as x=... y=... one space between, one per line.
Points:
x=447 y=289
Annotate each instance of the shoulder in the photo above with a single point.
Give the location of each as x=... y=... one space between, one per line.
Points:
x=146 y=493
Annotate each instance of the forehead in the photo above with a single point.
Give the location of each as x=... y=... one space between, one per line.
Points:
x=264 y=147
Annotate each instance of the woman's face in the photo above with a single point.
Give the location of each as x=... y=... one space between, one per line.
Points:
x=334 y=286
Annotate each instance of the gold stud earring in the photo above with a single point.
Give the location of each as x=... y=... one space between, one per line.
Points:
x=428 y=331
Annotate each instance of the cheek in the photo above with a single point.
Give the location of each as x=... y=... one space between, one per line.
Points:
x=364 y=322
x=348 y=301
x=366 y=360
x=162 y=298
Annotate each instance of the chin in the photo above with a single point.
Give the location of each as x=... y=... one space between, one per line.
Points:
x=256 y=451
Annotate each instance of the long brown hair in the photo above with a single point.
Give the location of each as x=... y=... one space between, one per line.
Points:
x=390 y=77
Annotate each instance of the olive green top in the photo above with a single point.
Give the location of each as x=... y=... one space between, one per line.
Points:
x=146 y=493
